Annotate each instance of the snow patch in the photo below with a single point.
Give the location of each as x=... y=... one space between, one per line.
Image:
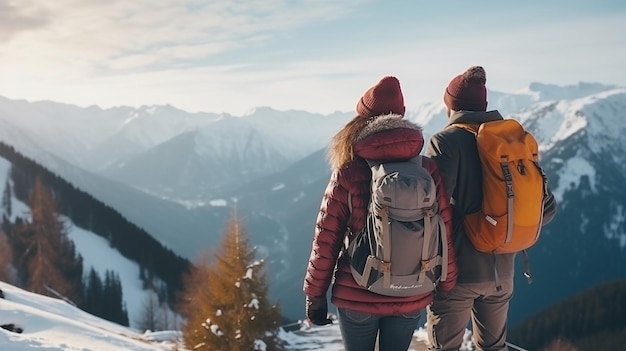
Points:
x=615 y=228
x=570 y=174
x=218 y=203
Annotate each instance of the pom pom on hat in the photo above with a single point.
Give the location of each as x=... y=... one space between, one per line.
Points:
x=467 y=91
x=383 y=98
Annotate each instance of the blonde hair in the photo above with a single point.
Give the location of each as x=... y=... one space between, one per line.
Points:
x=340 y=150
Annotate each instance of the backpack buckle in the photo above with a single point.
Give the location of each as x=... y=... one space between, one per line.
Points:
x=429 y=212
x=427 y=265
x=385 y=267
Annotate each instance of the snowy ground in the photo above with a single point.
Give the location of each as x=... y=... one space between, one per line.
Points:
x=50 y=324
x=54 y=325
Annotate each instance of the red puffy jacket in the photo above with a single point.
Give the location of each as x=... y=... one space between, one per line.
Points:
x=383 y=138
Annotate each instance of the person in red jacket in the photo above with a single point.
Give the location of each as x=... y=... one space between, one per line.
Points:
x=378 y=132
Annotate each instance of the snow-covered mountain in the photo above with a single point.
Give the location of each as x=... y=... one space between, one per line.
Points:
x=121 y=143
x=177 y=148
x=432 y=115
x=597 y=118
x=200 y=164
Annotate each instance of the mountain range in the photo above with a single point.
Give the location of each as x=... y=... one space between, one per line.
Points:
x=179 y=175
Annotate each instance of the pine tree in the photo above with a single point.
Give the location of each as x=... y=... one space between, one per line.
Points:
x=113 y=301
x=94 y=290
x=105 y=299
x=6 y=256
x=226 y=304
x=6 y=199
x=48 y=263
x=150 y=318
x=195 y=301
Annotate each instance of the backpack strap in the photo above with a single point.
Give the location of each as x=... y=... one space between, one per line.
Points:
x=385 y=266
x=527 y=274
x=496 y=276
x=429 y=265
x=444 y=249
x=348 y=235
x=470 y=127
x=428 y=228
x=508 y=182
x=428 y=215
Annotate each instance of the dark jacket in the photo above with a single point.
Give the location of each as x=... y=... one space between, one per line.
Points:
x=454 y=150
x=385 y=138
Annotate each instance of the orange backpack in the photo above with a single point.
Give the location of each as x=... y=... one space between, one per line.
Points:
x=513 y=188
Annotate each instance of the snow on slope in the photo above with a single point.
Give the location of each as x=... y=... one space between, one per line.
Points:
x=598 y=117
x=54 y=325
x=601 y=114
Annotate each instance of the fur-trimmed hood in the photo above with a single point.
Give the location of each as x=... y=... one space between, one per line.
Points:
x=381 y=138
x=385 y=122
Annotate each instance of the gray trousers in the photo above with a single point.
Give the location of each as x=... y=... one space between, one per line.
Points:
x=359 y=330
x=448 y=316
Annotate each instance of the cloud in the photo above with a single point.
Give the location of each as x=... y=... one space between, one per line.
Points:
x=14 y=20
x=318 y=55
x=101 y=37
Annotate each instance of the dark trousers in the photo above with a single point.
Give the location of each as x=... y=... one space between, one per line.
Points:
x=359 y=330
x=448 y=316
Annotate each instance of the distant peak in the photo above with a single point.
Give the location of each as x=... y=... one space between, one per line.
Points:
x=583 y=86
x=155 y=109
x=258 y=110
x=543 y=91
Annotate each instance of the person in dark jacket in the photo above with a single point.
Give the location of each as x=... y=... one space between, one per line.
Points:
x=380 y=133
x=476 y=294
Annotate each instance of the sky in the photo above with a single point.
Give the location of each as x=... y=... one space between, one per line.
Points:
x=315 y=55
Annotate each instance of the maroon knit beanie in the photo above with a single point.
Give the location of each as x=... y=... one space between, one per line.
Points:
x=467 y=91
x=383 y=98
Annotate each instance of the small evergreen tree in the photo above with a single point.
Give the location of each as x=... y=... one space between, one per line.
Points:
x=150 y=318
x=105 y=299
x=93 y=295
x=113 y=301
x=6 y=199
x=226 y=304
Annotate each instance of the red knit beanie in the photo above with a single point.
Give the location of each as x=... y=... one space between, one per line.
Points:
x=383 y=98
x=467 y=91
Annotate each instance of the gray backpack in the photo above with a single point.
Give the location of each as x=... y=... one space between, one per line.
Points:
x=403 y=249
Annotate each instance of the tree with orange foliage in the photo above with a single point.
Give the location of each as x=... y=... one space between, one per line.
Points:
x=6 y=256
x=560 y=345
x=48 y=262
x=226 y=303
